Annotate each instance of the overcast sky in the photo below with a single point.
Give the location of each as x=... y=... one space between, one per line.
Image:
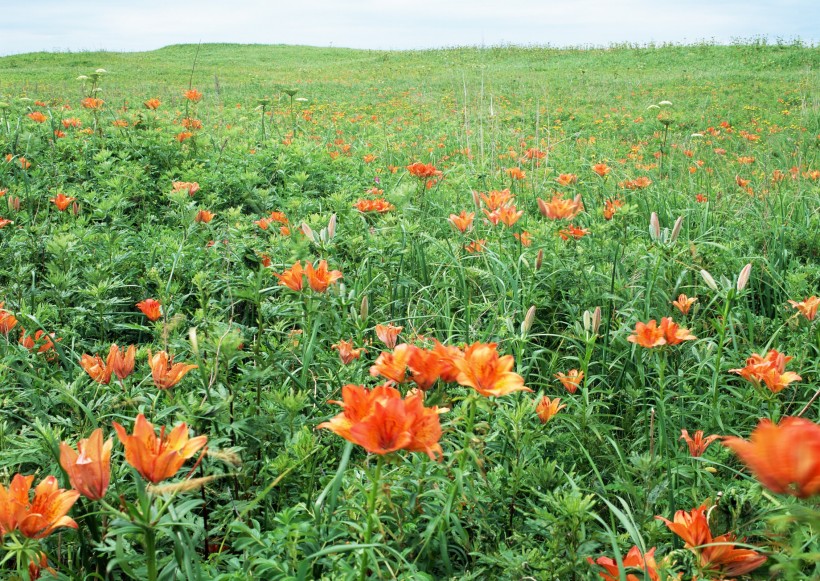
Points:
x=118 y=25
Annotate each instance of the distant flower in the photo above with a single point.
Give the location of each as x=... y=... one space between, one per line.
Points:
x=647 y=335
x=684 y=303
x=152 y=104
x=92 y=103
x=463 y=221
x=190 y=187
x=769 y=370
x=62 y=201
x=37 y=117
x=182 y=136
x=807 y=307
x=601 y=169
x=566 y=179
x=387 y=334
x=524 y=238
x=495 y=199
x=293 y=277
x=151 y=308
x=71 y=122
x=547 y=408
x=423 y=171
x=476 y=246
x=516 y=173
x=379 y=206
x=203 y=216
x=572 y=380
x=193 y=95
x=346 y=351
x=611 y=206
x=165 y=373
x=698 y=444
x=320 y=278
x=560 y=208
x=573 y=231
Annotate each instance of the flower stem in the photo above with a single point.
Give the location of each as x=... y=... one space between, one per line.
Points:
x=371 y=515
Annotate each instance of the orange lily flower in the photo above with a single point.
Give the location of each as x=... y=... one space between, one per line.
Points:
x=89 y=471
x=388 y=333
x=684 y=303
x=92 y=103
x=150 y=308
x=673 y=333
x=393 y=365
x=691 y=526
x=190 y=187
x=203 y=216
x=485 y=371
x=566 y=179
x=698 y=445
x=447 y=355
x=381 y=421
x=560 y=208
x=95 y=367
x=784 y=457
x=152 y=104
x=723 y=559
x=158 y=458
x=807 y=307
x=524 y=238
x=5 y=221
x=379 y=206
x=495 y=199
x=571 y=381
x=46 y=340
x=193 y=95
x=292 y=277
x=633 y=560
x=516 y=173
x=770 y=370
x=7 y=320
x=423 y=171
x=43 y=515
x=476 y=246
x=573 y=231
x=715 y=555
x=547 y=408
x=346 y=351
x=37 y=116
x=611 y=207
x=601 y=169
x=509 y=215
x=62 y=201
x=320 y=278
x=165 y=372
x=647 y=334
x=121 y=363
x=425 y=366
x=463 y=221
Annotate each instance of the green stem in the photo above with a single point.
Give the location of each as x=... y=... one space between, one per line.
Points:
x=718 y=357
x=149 y=541
x=371 y=515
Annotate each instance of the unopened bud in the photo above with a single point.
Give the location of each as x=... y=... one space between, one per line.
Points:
x=539 y=259
x=676 y=229
x=194 y=340
x=596 y=320
x=75 y=208
x=476 y=199
x=331 y=227
x=654 y=227
x=542 y=207
x=307 y=231
x=707 y=278
x=529 y=318
x=364 y=310
x=743 y=277
x=14 y=203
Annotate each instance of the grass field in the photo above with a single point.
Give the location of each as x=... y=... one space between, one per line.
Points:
x=486 y=257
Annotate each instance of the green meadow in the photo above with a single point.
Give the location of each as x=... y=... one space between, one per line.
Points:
x=284 y=312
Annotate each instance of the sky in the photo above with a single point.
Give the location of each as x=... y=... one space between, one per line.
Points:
x=117 y=25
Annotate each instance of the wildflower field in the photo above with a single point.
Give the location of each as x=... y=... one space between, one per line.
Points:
x=279 y=312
